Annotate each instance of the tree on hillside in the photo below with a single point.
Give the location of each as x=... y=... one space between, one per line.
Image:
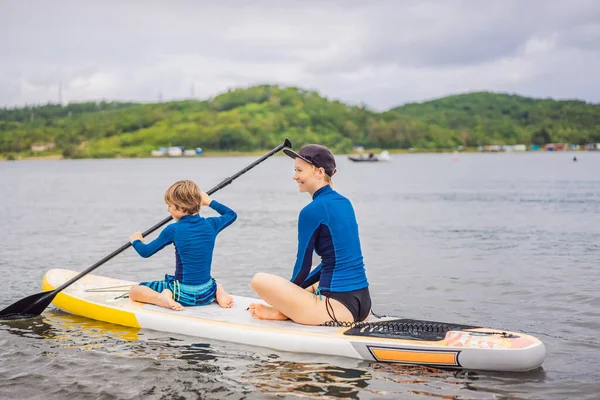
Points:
x=541 y=137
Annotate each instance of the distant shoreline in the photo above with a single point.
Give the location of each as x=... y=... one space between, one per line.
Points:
x=204 y=155
x=262 y=152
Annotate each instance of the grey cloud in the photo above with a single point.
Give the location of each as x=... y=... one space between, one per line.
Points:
x=584 y=37
x=447 y=34
x=132 y=50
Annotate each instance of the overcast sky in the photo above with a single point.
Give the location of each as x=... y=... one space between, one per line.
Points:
x=381 y=53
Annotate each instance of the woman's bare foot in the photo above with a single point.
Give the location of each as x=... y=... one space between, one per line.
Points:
x=262 y=311
x=223 y=298
x=166 y=301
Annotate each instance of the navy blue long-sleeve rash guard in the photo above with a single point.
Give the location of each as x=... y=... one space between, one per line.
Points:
x=194 y=239
x=328 y=226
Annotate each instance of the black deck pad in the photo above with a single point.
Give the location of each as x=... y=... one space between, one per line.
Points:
x=406 y=329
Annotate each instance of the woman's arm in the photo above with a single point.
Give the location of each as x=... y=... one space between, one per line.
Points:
x=313 y=277
x=308 y=227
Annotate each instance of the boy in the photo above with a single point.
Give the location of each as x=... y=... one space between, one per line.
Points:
x=194 y=239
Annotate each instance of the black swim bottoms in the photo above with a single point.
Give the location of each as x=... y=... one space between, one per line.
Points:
x=358 y=302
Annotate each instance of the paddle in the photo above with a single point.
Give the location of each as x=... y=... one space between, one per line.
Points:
x=34 y=305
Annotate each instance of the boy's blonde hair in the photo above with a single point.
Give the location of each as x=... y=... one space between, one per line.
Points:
x=185 y=196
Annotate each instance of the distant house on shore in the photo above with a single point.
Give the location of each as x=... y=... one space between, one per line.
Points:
x=556 y=147
x=495 y=148
x=42 y=147
x=176 y=151
x=592 y=147
x=514 y=147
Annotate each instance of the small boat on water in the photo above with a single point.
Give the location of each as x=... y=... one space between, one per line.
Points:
x=371 y=157
x=379 y=338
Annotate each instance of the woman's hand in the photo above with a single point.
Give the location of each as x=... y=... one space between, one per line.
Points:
x=136 y=236
x=205 y=199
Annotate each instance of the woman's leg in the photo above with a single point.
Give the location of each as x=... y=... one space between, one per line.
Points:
x=144 y=294
x=263 y=311
x=291 y=301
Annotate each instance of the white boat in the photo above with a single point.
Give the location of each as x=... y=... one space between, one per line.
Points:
x=384 y=339
x=371 y=157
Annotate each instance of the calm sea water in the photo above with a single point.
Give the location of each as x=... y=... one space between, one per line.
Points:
x=510 y=241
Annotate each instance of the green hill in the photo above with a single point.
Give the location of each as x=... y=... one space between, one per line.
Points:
x=260 y=117
x=483 y=118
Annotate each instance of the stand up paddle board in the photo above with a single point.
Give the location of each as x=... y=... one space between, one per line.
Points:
x=385 y=339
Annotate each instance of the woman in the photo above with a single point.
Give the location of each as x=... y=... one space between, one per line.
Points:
x=337 y=289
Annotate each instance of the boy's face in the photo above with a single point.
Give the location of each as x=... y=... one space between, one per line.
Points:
x=175 y=213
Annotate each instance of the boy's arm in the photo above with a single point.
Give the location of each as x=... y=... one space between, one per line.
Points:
x=165 y=238
x=227 y=216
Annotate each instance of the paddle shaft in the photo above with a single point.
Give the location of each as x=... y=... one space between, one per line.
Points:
x=225 y=182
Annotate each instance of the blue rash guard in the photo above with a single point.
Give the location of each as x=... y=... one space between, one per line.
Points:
x=194 y=239
x=328 y=226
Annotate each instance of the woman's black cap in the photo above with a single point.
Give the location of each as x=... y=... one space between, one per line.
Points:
x=317 y=155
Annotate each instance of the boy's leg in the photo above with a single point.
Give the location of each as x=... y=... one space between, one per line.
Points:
x=144 y=294
x=290 y=301
x=223 y=298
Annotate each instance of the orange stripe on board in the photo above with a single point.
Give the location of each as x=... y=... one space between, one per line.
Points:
x=415 y=357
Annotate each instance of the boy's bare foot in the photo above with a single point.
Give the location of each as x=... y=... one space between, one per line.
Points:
x=223 y=298
x=262 y=311
x=166 y=301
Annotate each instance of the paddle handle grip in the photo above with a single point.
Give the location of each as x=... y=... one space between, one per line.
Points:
x=225 y=182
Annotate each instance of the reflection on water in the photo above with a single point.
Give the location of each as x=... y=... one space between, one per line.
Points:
x=68 y=331
x=462 y=383
x=377 y=380
x=311 y=380
x=72 y=331
x=209 y=365
x=426 y=382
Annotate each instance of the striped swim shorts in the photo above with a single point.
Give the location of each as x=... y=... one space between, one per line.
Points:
x=186 y=295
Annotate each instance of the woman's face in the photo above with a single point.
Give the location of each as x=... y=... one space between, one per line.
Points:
x=309 y=178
